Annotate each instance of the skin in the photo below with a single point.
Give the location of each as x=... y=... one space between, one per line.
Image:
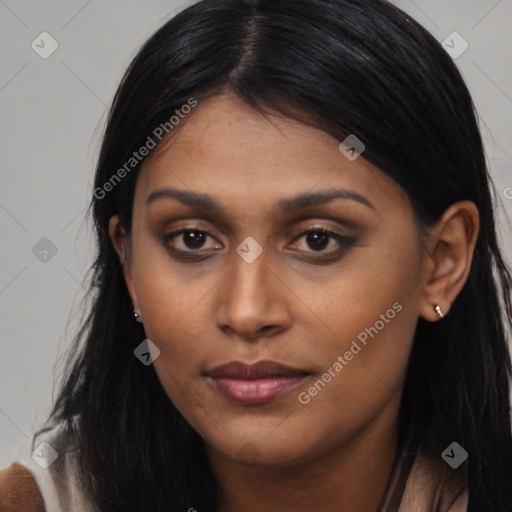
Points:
x=285 y=455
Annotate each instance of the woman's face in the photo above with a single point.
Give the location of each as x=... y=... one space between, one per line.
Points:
x=338 y=309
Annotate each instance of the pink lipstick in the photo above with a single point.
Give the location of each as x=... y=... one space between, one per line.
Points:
x=257 y=383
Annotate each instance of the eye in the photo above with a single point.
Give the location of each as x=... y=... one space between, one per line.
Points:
x=188 y=240
x=318 y=239
x=189 y=243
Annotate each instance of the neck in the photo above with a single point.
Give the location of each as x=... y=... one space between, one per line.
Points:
x=352 y=477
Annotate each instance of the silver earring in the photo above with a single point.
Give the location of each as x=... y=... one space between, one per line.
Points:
x=137 y=316
x=437 y=309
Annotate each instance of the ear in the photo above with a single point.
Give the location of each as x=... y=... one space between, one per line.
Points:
x=121 y=243
x=450 y=247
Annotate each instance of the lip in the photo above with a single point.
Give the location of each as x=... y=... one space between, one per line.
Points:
x=256 y=383
x=259 y=370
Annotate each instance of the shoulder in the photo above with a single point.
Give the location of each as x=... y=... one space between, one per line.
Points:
x=47 y=486
x=432 y=483
x=19 y=490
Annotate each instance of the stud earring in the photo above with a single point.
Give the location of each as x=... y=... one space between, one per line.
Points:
x=137 y=316
x=437 y=309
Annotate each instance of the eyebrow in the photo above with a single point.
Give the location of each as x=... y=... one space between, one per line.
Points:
x=283 y=207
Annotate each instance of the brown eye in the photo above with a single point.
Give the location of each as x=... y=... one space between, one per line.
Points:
x=187 y=240
x=318 y=239
x=194 y=239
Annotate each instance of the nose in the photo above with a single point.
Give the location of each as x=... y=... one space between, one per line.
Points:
x=253 y=301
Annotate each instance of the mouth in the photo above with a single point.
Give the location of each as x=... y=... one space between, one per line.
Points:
x=253 y=384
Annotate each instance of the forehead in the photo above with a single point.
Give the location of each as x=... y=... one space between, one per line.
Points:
x=227 y=149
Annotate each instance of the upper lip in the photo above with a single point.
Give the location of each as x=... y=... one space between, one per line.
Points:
x=259 y=370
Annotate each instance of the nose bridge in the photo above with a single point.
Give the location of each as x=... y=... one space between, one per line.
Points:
x=248 y=285
x=251 y=298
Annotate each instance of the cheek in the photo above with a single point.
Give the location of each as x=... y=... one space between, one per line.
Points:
x=172 y=309
x=179 y=329
x=365 y=286
x=170 y=294
x=364 y=365
x=178 y=326
x=371 y=312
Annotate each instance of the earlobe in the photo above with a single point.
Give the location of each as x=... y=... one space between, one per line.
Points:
x=451 y=246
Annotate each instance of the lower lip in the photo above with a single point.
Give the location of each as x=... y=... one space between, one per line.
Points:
x=256 y=391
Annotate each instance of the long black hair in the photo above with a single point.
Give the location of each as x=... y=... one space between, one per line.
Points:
x=347 y=67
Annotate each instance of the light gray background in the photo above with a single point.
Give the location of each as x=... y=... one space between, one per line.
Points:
x=52 y=114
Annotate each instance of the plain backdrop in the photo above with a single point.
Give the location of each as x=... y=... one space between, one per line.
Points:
x=52 y=115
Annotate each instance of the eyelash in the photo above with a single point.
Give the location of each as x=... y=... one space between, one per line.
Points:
x=345 y=243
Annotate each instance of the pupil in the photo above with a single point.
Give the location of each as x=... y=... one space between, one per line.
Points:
x=317 y=241
x=194 y=239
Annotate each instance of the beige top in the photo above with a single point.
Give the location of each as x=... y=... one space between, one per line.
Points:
x=58 y=495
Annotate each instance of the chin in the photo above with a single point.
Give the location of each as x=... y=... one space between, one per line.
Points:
x=260 y=451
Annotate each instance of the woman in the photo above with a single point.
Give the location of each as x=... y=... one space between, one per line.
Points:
x=297 y=297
